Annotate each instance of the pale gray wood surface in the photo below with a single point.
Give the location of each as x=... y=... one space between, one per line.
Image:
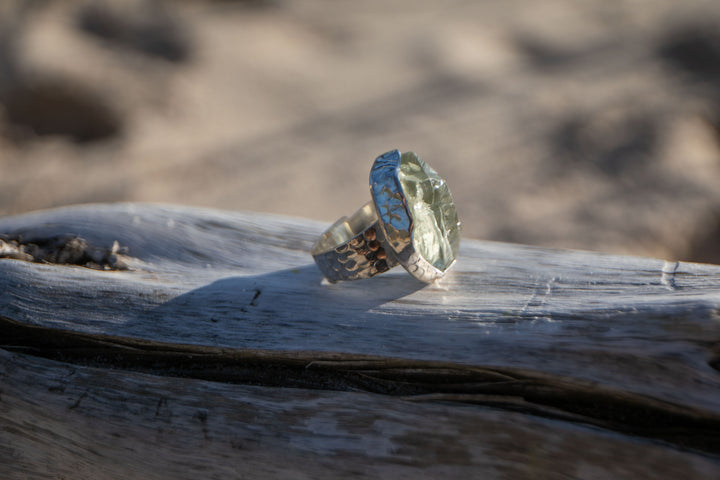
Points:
x=523 y=362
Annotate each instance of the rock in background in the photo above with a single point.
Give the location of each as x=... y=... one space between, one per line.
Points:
x=588 y=124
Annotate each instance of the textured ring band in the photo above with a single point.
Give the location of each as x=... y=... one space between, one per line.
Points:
x=353 y=247
x=412 y=221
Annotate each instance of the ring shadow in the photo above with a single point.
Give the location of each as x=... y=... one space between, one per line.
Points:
x=290 y=302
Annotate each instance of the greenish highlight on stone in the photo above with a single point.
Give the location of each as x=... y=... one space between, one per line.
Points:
x=436 y=230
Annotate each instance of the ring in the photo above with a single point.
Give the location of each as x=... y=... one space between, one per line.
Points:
x=411 y=220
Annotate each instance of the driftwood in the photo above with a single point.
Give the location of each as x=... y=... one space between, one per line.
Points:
x=187 y=343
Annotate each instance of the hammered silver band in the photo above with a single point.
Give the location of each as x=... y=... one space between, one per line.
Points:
x=353 y=247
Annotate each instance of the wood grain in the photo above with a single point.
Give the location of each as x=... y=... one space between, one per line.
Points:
x=222 y=351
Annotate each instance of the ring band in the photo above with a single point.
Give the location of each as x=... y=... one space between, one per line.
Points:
x=353 y=247
x=411 y=220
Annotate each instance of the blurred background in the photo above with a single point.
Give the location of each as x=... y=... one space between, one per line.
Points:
x=565 y=123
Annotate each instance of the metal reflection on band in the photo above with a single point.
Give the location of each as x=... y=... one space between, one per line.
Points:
x=353 y=247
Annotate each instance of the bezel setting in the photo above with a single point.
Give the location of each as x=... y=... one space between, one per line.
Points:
x=396 y=217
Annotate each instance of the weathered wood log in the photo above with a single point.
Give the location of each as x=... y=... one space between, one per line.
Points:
x=220 y=351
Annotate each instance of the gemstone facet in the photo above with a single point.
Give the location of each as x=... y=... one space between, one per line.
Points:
x=436 y=230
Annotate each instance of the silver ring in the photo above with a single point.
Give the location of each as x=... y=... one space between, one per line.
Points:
x=411 y=220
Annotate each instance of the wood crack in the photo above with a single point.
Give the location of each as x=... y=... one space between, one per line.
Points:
x=64 y=250
x=497 y=387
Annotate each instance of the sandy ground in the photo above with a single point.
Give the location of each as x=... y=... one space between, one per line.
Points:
x=581 y=124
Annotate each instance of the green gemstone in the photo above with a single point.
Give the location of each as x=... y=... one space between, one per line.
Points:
x=436 y=230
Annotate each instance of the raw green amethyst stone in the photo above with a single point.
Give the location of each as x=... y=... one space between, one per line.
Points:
x=436 y=230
